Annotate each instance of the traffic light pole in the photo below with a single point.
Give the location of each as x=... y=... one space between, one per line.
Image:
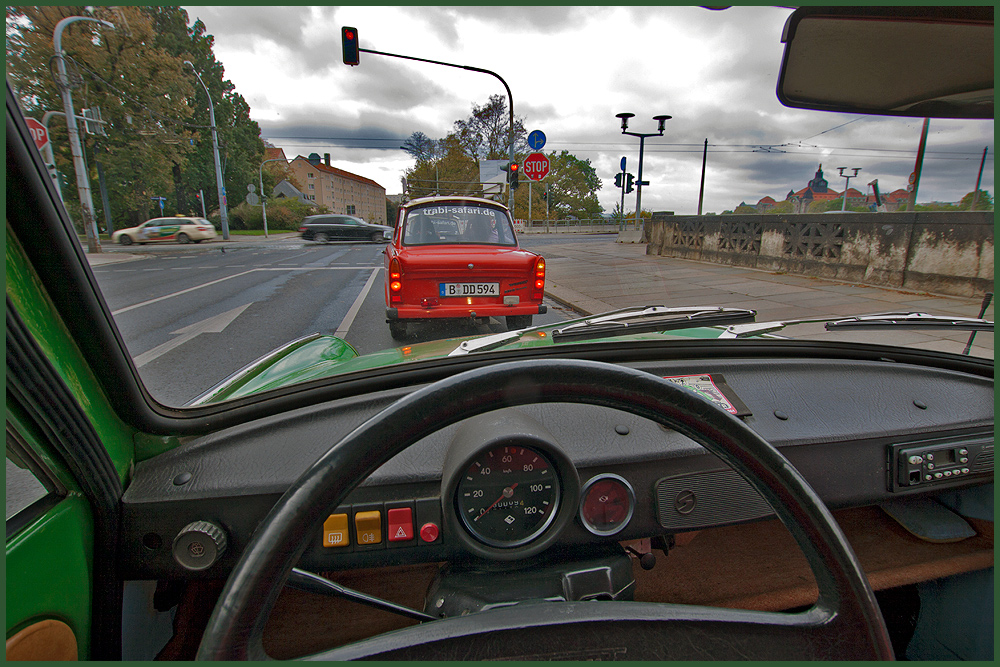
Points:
x=661 y=120
x=510 y=98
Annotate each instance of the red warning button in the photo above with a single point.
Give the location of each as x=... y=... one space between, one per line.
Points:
x=400 y=524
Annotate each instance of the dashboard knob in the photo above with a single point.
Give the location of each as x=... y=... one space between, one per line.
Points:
x=199 y=545
x=429 y=532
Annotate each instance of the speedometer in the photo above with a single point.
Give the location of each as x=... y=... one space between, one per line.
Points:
x=508 y=495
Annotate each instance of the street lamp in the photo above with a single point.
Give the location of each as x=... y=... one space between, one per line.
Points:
x=82 y=180
x=220 y=188
x=661 y=124
x=843 y=205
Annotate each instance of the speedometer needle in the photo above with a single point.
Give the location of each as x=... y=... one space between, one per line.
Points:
x=507 y=493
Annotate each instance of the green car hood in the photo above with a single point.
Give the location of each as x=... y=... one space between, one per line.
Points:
x=320 y=356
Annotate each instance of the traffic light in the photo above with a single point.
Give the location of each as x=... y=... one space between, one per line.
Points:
x=197 y=196
x=628 y=183
x=351 y=49
x=618 y=180
x=513 y=175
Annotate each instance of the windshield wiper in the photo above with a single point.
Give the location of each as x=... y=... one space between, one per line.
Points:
x=656 y=318
x=902 y=320
x=653 y=318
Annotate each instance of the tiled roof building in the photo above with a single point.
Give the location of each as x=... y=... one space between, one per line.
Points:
x=339 y=190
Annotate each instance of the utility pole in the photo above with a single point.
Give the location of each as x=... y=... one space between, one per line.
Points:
x=701 y=191
x=919 y=165
x=65 y=90
x=979 y=179
x=219 y=186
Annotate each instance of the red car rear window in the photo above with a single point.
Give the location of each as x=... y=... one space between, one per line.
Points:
x=445 y=224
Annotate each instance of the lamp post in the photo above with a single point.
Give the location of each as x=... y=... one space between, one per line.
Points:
x=220 y=188
x=82 y=179
x=661 y=122
x=843 y=204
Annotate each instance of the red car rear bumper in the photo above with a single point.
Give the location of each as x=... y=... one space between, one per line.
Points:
x=463 y=311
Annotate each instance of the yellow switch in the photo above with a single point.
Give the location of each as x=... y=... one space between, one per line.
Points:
x=335 y=531
x=369 y=527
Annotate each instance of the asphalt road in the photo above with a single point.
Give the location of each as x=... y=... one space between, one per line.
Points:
x=192 y=316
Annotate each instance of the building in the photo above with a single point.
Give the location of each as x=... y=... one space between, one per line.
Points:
x=338 y=190
x=817 y=190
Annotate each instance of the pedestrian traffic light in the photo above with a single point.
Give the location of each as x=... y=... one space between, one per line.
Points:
x=628 y=183
x=618 y=180
x=351 y=49
x=513 y=175
x=197 y=196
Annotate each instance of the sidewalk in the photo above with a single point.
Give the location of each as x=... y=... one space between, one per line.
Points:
x=593 y=277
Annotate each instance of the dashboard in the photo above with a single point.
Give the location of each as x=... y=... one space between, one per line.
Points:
x=562 y=478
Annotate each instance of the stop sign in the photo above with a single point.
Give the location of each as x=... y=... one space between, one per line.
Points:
x=536 y=166
x=38 y=133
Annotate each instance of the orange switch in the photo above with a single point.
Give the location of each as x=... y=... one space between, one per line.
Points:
x=335 y=531
x=369 y=527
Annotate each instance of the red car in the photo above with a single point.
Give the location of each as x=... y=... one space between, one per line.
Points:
x=458 y=257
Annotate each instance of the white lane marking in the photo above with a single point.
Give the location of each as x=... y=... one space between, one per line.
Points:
x=236 y=275
x=342 y=330
x=214 y=324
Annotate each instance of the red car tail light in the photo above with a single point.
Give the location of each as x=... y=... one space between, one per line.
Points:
x=302 y=229
x=536 y=293
x=395 y=282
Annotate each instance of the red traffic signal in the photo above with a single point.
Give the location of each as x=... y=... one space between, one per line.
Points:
x=513 y=175
x=513 y=167
x=349 y=36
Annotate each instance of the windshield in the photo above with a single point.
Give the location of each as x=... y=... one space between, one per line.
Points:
x=454 y=224
x=594 y=159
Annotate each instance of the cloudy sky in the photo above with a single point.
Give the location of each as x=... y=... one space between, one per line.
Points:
x=571 y=69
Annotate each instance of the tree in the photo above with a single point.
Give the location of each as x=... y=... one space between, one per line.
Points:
x=420 y=147
x=485 y=135
x=451 y=172
x=573 y=186
x=138 y=86
x=983 y=203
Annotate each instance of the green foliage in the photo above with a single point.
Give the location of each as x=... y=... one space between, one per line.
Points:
x=158 y=139
x=983 y=203
x=282 y=215
x=744 y=209
x=573 y=186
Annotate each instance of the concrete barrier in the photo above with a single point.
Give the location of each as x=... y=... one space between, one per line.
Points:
x=940 y=252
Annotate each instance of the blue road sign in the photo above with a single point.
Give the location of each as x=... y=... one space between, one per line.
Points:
x=623 y=164
x=536 y=139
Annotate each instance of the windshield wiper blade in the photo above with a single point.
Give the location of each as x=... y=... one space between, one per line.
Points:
x=654 y=318
x=911 y=320
x=901 y=320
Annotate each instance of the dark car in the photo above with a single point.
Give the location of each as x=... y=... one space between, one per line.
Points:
x=324 y=228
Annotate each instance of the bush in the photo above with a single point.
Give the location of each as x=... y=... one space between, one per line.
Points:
x=282 y=215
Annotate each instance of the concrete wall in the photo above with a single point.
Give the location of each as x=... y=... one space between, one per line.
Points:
x=941 y=252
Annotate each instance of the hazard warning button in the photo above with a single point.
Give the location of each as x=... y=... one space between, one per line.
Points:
x=400 y=524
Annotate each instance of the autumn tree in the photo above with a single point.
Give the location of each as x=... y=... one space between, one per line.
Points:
x=485 y=134
x=984 y=202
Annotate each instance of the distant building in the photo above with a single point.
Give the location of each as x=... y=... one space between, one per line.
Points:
x=818 y=190
x=340 y=191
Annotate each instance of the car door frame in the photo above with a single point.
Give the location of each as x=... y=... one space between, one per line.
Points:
x=57 y=395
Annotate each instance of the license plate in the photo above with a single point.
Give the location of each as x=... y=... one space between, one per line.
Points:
x=470 y=289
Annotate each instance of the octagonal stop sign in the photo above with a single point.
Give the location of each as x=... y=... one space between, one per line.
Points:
x=38 y=133
x=536 y=166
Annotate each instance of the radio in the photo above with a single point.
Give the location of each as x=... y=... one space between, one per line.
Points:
x=937 y=462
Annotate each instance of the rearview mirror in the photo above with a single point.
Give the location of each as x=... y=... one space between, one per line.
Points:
x=893 y=61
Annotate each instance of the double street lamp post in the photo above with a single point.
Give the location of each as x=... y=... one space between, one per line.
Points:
x=220 y=188
x=66 y=91
x=843 y=205
x=661 y=120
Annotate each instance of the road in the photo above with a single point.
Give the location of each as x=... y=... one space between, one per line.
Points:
x=192 y=316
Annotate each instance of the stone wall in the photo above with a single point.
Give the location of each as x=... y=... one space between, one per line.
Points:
x=940 y=252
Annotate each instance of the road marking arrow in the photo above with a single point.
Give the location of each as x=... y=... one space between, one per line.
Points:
x=214 y=324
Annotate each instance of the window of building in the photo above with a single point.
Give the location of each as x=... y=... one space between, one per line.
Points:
x=312 y=186
x=311 y=197
x=351 y=209
x=310 y=175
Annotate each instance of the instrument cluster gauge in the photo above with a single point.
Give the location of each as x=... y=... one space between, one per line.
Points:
x=507 y=490
x=508 y=495
x=606 y=504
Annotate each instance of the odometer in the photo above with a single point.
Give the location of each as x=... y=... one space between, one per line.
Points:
x=508 y=495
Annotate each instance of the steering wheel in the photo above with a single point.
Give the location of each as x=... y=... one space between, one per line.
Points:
x=845 y=622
